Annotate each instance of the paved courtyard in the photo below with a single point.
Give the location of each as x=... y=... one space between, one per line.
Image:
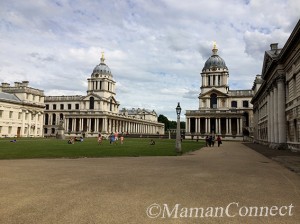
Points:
x=230 y=184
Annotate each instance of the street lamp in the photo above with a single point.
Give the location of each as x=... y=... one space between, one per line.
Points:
x=178 y=136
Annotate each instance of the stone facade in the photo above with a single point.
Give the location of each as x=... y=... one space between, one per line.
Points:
x=98 y=111
x=276 y=99
x=21 y=110
x=221 y=111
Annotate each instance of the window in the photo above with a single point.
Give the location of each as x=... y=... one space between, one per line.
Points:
x=77 y=106
x=69 y=106
x=245 y=103
x=10 y=114
x=234 y=103
x=9 y=129
x=47 y=106
x=1 y=112
x=92 y=103
x=53 y=119
x=54 y=106
x=110 y=105
x=61 y=106
x=213 y=101
x=0 y=129
x=46 y=119
x=19 y=115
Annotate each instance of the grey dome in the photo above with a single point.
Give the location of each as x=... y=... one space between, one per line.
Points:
x=214 y=62
x=102 y=69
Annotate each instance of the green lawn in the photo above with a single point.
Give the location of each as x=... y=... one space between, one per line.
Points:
x=53 y=148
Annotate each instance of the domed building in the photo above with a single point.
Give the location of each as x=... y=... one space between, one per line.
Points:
x=98 y=111
x=221 y=111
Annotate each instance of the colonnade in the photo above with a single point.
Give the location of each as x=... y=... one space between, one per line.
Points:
x=217 y=125
x=107 y=125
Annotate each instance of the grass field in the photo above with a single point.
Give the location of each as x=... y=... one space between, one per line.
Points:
x=53 y=148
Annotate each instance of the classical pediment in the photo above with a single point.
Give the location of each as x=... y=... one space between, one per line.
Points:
x=208 y=93
x=87 y=97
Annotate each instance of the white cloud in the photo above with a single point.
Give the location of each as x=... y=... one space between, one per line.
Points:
x=155 y=49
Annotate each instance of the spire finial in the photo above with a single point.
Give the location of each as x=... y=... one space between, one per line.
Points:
x=102 y=57
x=215 y=49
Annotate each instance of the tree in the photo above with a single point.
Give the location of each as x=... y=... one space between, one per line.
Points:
x=165 y=120
x=170 y=124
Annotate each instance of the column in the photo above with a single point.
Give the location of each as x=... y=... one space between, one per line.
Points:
x=196 y=125
x=227 y=125
x=206 y=125
x=268 y=114
x=105 y=125
x=281 y=110
x=199 y=123
x=238 y=126
x=229 y=122
x=208 y=122
x=275 y=114
x=219 y=120
x=271 y=117
x=186 y=126
x=241 y=125
x=216 y=124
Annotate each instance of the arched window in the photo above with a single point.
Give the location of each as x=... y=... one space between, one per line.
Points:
x=61 y=117
x=213 y=100
x=92 y=103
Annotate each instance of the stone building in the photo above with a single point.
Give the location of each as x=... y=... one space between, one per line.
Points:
x=21 y=110
x=221 y=111
x=277 y=96
x=98 y=111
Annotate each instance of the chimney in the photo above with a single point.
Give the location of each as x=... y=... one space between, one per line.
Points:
x=25 y=83
x=4 y=84
x=274 y=46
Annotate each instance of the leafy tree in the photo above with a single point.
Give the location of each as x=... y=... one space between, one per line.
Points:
x=170 y=124
x=165 y=120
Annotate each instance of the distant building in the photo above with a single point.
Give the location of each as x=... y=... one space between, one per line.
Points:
x=221 y=111
x=21 y=110
x=277 y=96
x=98 y=111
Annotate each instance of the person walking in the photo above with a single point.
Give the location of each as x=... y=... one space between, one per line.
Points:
x=99 y=139
x=219 y=140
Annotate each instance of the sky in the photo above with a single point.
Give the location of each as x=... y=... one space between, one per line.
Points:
x=156 y=49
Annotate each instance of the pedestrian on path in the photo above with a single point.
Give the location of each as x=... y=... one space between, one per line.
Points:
x=219 y=140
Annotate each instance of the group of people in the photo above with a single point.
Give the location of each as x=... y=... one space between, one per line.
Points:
x=210 y=140
x=75 y=139
x=113 y=138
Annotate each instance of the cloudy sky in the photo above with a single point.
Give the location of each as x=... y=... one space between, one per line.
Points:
x=156 y=49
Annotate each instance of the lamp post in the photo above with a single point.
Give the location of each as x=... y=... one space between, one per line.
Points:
x=178 y=136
